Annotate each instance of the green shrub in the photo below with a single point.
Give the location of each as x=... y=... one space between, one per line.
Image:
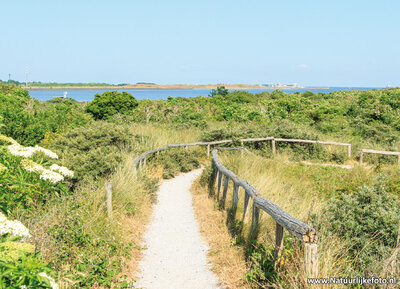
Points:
x=93 y=151
x=110 y=103
x=27 y=120
x=174 y=161
x=367 y=220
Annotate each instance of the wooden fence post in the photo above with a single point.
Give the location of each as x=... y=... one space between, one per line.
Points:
x=235 y=199
x=108 y=188
x=219 y=183
x=144 y=162
x=242 y=144
x=186 y=147
x=226 y=184
x=273 y=146
x=246 y=202
x=361 y=157
x=349 y=150
x=278 y=243
x=255 y=217
x=311 y=260
x=214 y=172
x=208 y=150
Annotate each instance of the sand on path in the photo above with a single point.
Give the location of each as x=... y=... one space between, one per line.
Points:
x=175 y=257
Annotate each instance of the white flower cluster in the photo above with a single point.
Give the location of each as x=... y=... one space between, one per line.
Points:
x=55 y=174
x=15 y=228
x=45 y=174
x=26 y=152
x=62 y=170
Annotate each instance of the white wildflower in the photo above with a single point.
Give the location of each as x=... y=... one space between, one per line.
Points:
x=47 y=152
x=51 y=176
x=15 y=228
x=18 y=150
x=63 y=170
x=52 y=281
x=45 y=174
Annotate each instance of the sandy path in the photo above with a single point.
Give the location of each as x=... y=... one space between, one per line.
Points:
x=176 y=253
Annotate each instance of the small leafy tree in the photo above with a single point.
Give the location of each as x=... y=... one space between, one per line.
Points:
x=110 y=103
x=221 y=90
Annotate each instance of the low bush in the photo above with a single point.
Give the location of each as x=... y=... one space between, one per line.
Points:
x=367 y=220
x=93 y=151
x=175 y=161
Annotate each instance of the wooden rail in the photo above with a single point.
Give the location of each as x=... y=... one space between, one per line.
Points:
x=363 y=151
x=274 y=140
x=141 y=160
x=304 y=232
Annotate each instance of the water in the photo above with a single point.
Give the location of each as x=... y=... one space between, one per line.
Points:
x=154 y=94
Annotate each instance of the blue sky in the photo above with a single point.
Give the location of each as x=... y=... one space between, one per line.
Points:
x=311 y=42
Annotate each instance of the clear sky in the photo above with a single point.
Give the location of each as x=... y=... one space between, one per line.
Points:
x=310 y=42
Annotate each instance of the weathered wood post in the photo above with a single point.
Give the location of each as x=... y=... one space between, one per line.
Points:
x=242 y=144
x=273 y=146
x=219 y=183
x=144 y=162
x=108 y=188
x=255 y=217
x=311 y=260
x=349 y=150
x=186 y=147
x=226 y=184
x=235 y=199
x=361 y=157
x=214 y=172
x=246 y=202
x=278 y=243
x=208 y=150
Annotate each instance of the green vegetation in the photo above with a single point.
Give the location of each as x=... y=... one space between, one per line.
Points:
x=110 y=103
x=353 y=210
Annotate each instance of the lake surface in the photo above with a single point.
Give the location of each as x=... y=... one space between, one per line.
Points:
x=153 y=94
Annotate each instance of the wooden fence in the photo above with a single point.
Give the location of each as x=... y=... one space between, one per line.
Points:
x=141 y=160
x=283 y=220
x=364 y=151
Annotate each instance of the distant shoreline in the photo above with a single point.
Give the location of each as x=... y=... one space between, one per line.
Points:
x=163 y=87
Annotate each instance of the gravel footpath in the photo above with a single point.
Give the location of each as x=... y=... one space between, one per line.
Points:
x=175 y=257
